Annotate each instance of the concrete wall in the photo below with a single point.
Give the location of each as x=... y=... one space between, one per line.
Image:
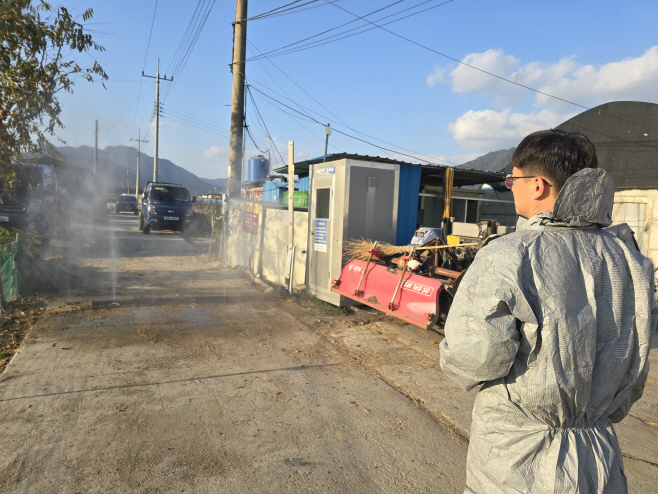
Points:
x=275 y=246
x=257 y=239
x=243 y=234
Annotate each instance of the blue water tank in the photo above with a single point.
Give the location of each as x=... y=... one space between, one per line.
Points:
x=258 y=168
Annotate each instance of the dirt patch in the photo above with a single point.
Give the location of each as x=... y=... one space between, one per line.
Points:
x=148 y=335
x=15 y=321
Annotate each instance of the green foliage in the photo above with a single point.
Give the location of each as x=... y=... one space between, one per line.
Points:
x=37 y=42
x=3 y=353
x=27 y=240
x=214 y=214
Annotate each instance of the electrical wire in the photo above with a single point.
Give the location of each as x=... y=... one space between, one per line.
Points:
x=139 y=91
x=298 y=9
x=193 y=38
x=253 y=102
x=416 y=155
x=173 y=13
x=339 y=36
x=329 y=30
x=277 y=10
x=353 y=137
x=148 y=45
x=296 y=119
x=181 y=44
x=189 y=124
x=464 y=63
x=252 y=139
x=279 y=86
x=106 y=137
x=198 y=125
x=361 y=134
x=194 y=118
x=188 y=42
x=130 y=107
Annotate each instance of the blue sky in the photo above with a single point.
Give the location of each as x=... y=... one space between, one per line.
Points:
x=373 y=85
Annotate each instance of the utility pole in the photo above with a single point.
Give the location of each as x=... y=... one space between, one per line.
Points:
x=326 y=142
x=95 y=146
x=291 y=194
x=237 y=103
x=157 y=115
x=139 y=141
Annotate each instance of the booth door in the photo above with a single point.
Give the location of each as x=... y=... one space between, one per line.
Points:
x=322 y=218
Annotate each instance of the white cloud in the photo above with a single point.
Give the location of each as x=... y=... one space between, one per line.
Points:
x=439 y=75
x=627 y=79
x=589 y=85
x=213 y=152
x=489 y=130
x=466 y=79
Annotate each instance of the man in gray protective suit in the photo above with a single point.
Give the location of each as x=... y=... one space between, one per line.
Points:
x=555 y=321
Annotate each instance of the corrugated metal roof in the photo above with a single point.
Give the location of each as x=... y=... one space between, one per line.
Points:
x=429 y=174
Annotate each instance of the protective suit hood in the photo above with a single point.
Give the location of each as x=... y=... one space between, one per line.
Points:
x=585 y=201
x=586 y=198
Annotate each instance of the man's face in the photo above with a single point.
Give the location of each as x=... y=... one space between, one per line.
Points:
x=523 y=189
x=532 y=194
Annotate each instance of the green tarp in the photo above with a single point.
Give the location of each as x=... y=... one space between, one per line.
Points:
x=10 y=257
x=22 y=274
x=300 y=199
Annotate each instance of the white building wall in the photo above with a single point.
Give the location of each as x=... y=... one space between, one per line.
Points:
x=639 y=208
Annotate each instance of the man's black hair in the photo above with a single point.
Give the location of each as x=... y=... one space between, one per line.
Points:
x=555 y=154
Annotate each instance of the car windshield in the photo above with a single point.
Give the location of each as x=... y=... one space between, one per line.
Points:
x=171 y=194
x=126 y=198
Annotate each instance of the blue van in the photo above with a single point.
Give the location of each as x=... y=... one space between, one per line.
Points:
x=165 y=206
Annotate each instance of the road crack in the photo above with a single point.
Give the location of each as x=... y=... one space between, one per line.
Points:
x=632 y=457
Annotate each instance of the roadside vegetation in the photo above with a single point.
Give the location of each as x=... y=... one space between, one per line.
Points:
x=215 y=216
x=16 y=318
x=36 y=66
x=29 y=241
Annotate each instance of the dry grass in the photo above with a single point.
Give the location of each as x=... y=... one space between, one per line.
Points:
x=358 y=249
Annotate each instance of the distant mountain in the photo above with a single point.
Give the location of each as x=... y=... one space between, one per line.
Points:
x=113 y=161
x=220 y=183
x=495 y=161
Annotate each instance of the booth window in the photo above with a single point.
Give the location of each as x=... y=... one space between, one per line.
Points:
x=322 y=197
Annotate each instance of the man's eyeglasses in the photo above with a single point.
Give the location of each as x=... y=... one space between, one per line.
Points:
x=509 y=180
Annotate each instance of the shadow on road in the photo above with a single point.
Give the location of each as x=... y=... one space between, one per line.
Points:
x=175 y=381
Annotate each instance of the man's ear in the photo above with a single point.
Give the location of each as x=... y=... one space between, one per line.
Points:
x=542 y=191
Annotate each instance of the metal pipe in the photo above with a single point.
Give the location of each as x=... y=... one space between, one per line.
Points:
x=292 y=271
x=358 y=291
x=391 y=304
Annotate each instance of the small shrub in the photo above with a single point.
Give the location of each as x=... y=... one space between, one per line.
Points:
x=27 y=240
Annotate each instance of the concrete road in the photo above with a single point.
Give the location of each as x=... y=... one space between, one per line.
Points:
x=197 y=382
